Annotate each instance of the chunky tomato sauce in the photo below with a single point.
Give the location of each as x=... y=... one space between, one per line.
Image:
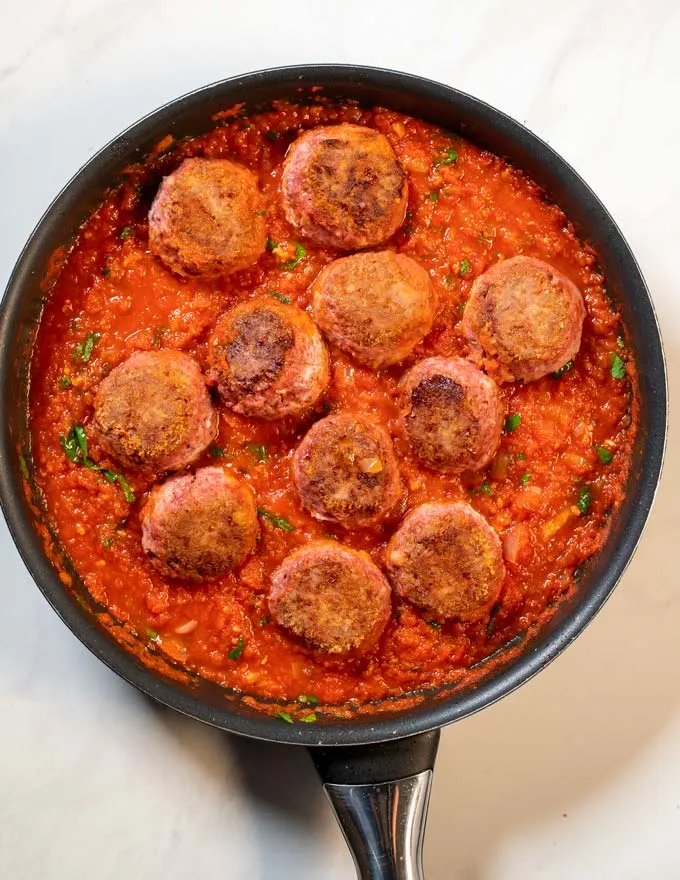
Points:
x=556 y=480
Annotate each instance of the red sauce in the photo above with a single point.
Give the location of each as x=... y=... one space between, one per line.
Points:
x=464 y=215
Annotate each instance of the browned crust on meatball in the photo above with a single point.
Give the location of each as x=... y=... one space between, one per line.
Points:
x=345 y=471
x=268 y=360
x=453 y=414
x=447 y=559
x=154 y=411
x=198 y=526
x=343 y=187
x=334 y=598
x=524 y=319
x=208 y=219
x=375 y=306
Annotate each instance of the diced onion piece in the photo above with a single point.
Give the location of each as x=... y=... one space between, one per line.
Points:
x=499 y=468
x=185 y=628
x=515 y=542
x=370 y=465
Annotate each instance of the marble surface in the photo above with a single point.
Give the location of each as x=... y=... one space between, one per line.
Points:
x=577 y=774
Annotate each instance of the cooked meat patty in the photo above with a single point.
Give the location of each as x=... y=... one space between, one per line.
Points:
x=375 y=306
x=343 y=187
x=154 y=412
x=269 y=359
x=447 y=559
x=453 y=414
x=197 y=526
x=208 y=219
x=334 y=598
x=345 y=471
x=525 y=318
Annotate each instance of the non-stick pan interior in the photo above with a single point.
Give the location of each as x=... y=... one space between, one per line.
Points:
x=192 y=115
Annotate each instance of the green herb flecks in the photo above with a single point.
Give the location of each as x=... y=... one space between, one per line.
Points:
x=618 y=368
x=465 y=266
x=158 y=335
x=604 y=454
x=258 y=451
x=308 y=698
x=308 y=719
x=106 y=272
x=107 y=541
x=435 y=624
x=279 y=522
x=521 y=456
x=513 y=421
x=263 y=621
x=562 y=370
x=433 y=196
x=486 y=489
x=524 y=479
x=300 y=254
x=216 y=452
x=23 y=467
x=271 y=244
x=237 y=650
x=449 y=157
x=585 y=498
x=125 y=232
x=83 y=350
x=285 y=716
x=65 y=382
x=272 y=136
x=74 y=445
x=260 y=213
x=280 y=297
x=153 y=635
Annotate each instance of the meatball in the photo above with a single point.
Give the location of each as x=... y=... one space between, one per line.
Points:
x=343 y=187
x=375 y=306
x=197 y=526
x=208 y=219
x=334 y=598
x=447 y=559
x=525 y=317
x=346 y=471
x=453 y=414
x=154 y=412
x=268 y=360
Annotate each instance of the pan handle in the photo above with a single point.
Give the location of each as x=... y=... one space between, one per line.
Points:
x=379 y=794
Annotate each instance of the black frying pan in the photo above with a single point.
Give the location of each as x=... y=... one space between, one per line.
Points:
x=376 y=769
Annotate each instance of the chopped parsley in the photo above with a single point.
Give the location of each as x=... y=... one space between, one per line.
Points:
x=465 y=266
x=106 y=271
x=279 y=522
x=271 y=244
x=65 y=382
x=23 y=467
x=521 y=456
x=618 y=368
x=308 y=698
x=449 y=279
x=126 y=232
x=524 y=479
x=300 y=254
x=272 y=136
x=261 y=213
x=74 y=445
x=433 y=196
x=280 y=297
x=435 y=624
x=153 y=635
x=604 y=454
x=562 y=370
x=486 y=489
x=308 y=719
x=585 y=498
x=217 y=452
x=107 y=541
x=258 y=451
x=285 y=716
x=263 y=621
x=514 y=420
x=158 y=334
x=83 y=350
x=237 y=650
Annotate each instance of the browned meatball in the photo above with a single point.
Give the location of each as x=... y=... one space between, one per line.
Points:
x=525 y=318
x=333 y=597
x=447 y=559
x=154 y=412
x=375 y=306
x=269 y=360
x=197 y=526
x=453 y=414
x=208 y=219
x=346 y=471
x=343 y=187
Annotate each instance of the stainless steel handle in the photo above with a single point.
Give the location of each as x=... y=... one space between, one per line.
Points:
x=384 y=825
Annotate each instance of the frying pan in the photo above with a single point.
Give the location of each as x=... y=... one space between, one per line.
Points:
x=377 y=767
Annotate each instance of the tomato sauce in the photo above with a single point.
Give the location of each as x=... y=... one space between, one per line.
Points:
x=558 y=477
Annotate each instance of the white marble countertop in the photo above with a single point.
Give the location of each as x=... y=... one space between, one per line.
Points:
x=577 y=775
